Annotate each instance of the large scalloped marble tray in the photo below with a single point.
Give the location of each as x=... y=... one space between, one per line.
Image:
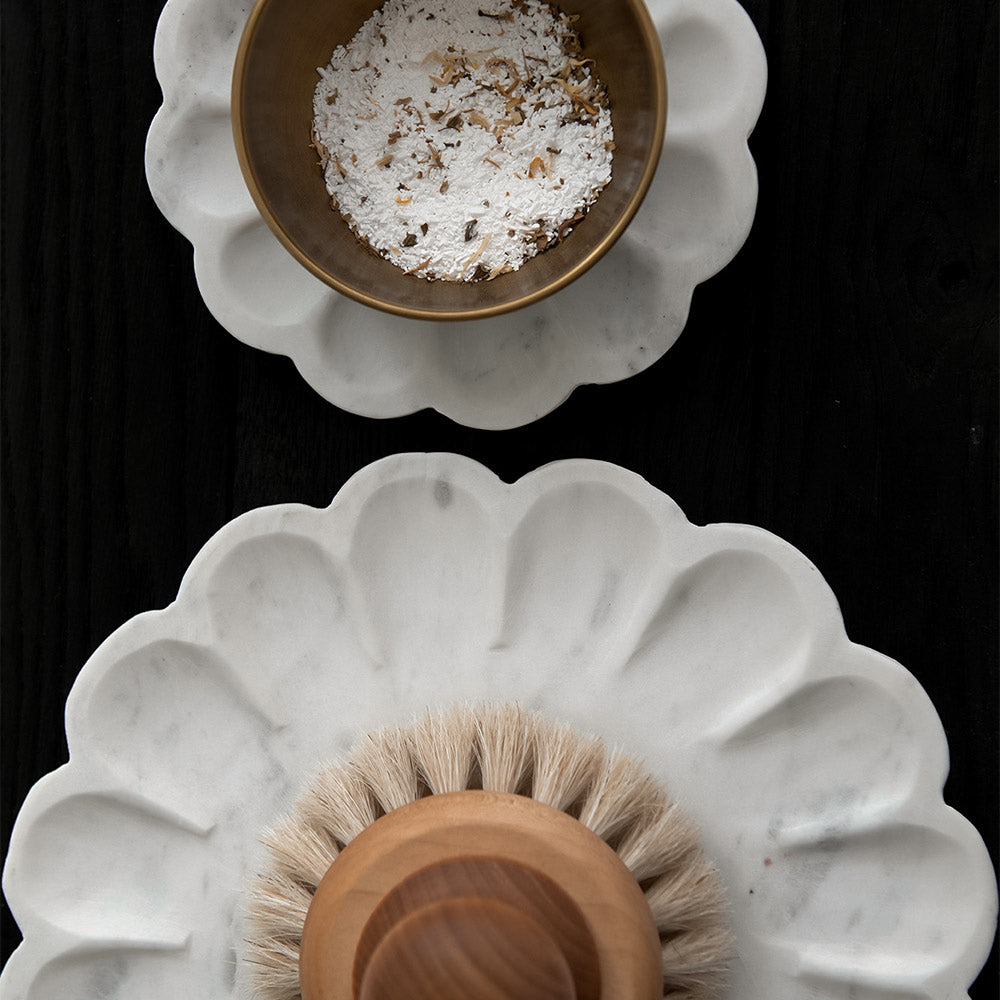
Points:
x=813 y=765
x=615 y=321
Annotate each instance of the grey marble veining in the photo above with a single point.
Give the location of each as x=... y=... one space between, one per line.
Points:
x=813 y=766
x=618 y=319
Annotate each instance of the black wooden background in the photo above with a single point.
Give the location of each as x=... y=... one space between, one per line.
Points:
x=836 y=384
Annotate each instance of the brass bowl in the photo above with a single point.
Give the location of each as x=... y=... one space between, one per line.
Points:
x=273 y=83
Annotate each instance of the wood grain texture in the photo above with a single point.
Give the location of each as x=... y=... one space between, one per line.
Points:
x=466 y=865
x=837 y=384
x=468 y=949
x=551 y=949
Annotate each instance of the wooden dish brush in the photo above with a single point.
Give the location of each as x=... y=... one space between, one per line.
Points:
x=485 y=853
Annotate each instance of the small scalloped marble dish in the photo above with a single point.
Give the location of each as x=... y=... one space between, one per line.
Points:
x=813 y=766
x=496 y=373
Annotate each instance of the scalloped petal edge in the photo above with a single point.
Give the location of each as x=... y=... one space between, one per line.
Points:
x=505 y=506
x=511 y=376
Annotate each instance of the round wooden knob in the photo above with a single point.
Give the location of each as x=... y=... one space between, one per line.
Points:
x=468 y=949
x=479 y=896
x=478 y=920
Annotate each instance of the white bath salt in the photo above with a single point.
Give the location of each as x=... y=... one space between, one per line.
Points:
x=460 y=137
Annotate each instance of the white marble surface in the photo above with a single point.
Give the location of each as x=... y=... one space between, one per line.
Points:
x=615 y=321
x=813 y=765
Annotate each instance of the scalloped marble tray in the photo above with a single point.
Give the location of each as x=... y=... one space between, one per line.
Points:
x=615 y=321
x=718 y=653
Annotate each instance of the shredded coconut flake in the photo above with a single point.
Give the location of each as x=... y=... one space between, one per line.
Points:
x=459 y=138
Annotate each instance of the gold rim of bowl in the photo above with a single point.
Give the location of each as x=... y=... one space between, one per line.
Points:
x=651 y=43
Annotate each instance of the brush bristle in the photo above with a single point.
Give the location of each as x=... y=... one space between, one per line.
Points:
x=497 y=748
x=566 y=765
x=444 y=747
x=504 y=744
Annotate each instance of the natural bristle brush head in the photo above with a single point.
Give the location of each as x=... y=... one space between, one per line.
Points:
x=485 y=853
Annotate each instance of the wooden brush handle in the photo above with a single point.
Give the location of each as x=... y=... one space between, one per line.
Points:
x=468 y=949
x=479 y=896
x=477 y=928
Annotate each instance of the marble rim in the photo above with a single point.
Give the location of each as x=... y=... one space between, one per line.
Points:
x=814 y=766
x=495 y=373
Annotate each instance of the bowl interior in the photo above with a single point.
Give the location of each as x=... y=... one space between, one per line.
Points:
x=274 y=79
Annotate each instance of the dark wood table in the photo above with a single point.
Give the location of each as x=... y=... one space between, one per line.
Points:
x=836 y=384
